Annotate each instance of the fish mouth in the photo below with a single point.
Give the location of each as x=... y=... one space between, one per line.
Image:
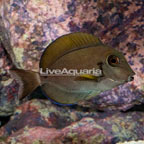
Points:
x=116 y=81
x=130 y=78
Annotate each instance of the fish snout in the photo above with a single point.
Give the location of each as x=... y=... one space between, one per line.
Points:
x=130 y=78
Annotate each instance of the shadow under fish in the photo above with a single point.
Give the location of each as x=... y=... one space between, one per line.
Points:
x=76 y=51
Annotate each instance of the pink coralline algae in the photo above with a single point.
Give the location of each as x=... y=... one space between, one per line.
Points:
x=26 y=29
x=41 y=121
x=29 y=26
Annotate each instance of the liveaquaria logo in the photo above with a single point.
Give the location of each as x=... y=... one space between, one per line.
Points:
x=70 y=72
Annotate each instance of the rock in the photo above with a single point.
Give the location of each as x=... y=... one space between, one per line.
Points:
x=43 y=122
x=133 y=142
x=8 y=86
x=27 y=27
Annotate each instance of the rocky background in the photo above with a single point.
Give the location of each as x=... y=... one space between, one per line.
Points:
x=27 y=27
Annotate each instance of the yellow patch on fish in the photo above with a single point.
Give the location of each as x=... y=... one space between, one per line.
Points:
x=87 y=76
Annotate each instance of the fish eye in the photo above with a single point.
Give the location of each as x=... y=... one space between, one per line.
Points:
x=113 y=60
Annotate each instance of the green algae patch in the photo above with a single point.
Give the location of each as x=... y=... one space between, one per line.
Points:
x=7 y=82
x=38 y=142
x=44 y=112
x=115 y=128
x=98 y=127
x=3 y=139
x=18 y=52
x=25 y=36
x=42 y=109
x=123 y=133
x=97 y=139
x=18 y=111
x=14 y=141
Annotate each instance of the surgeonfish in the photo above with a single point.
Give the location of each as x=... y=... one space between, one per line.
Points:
x=75 y=51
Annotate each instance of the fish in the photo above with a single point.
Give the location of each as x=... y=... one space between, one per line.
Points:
x=75 y=51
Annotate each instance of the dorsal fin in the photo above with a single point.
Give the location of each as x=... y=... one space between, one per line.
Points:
x=64 y=44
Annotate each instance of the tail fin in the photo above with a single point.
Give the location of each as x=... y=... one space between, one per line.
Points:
x=28 y=81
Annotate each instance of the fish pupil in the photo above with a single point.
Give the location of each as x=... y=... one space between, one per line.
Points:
x=113 y=60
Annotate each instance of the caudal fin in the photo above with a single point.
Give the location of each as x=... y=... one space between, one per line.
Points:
x=28 y=81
